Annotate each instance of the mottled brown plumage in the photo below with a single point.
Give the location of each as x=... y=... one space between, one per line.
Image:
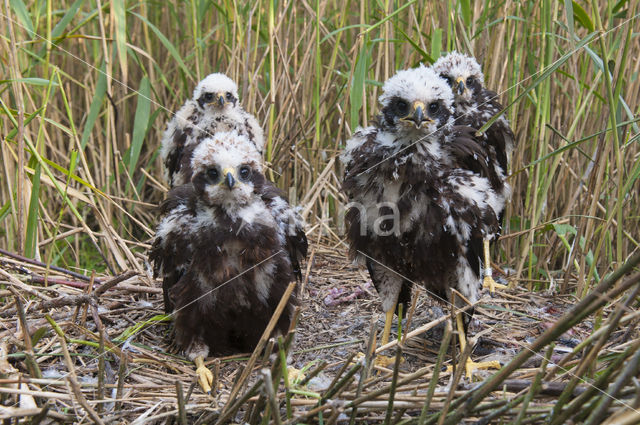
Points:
x=436 y=176
x=423 y=195
x=439 y=229
x=475 y=105
x=224 y=257
x=214 y=108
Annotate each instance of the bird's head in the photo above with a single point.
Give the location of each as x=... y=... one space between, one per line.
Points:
x=216 y=92
x=462 y=73
x=226 y=170
x=416 y=101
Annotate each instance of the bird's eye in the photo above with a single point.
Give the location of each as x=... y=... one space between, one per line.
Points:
x=245 y=172
x=213 y=174
x=229 y=96
x=433 y=107
x=402 y=106
x=469 y=81
x=208 y=97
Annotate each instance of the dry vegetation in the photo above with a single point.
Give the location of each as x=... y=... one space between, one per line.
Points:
x=87 y=88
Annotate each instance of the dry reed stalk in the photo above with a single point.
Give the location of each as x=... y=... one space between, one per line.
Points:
x=261 y=343
x=72 y=379
x=311 y=73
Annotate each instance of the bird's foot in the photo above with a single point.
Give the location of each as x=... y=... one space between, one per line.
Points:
x=358 y=358
x=384 y=361
x=490 y=283
x=205 y=377
x=380 y=361
x=295 y=375
x=470 y=366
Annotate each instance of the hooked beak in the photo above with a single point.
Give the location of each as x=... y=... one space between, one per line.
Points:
x=221 y=100
x=416 y=115
x=229 y=178
x=460 y=85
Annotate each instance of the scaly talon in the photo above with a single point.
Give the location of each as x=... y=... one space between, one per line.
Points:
x=205 y=377
x=491 y=284
x=295 y=375
x=384 y=361
x=380 y=360
x=470 y=366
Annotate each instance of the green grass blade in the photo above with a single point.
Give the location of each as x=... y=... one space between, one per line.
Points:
x=387 y=17
x=71 y=12
x=4 y=212
x=540 y=78
x=436 y=43
x=167 y=44
x=119 y=14
x=140 y=125
x=427 y=57
x=96 y=106
x=582 y=16
x=34 y=81
x=23 y=15
x=356 y=94
x=465 y=8
x=32 y=217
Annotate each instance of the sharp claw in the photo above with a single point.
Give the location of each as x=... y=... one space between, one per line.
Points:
x=295 y=375
x=384 y=361
x=492 y=285
x=205 y=379
x=470 y=366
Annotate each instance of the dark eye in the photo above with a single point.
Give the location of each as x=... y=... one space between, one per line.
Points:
x=469 y=81
x=433 y=107
x=402 y=106
x=245 y=172
x=213 y=174
x=208 y=97
x=447 y=78
x=229 y=96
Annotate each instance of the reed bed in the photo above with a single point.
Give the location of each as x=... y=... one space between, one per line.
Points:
x=98 y=349
x=86 y=91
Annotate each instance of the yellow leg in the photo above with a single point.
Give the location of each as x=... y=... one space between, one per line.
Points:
x=470 y=365
x=385 y=361
x=488 y=279
x=295 y=375
x=205 y=377
x=387 y=328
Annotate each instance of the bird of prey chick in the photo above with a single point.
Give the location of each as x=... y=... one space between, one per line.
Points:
x=214 y=108
x=223 y=253
x=474 y=106
x=415 y=215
